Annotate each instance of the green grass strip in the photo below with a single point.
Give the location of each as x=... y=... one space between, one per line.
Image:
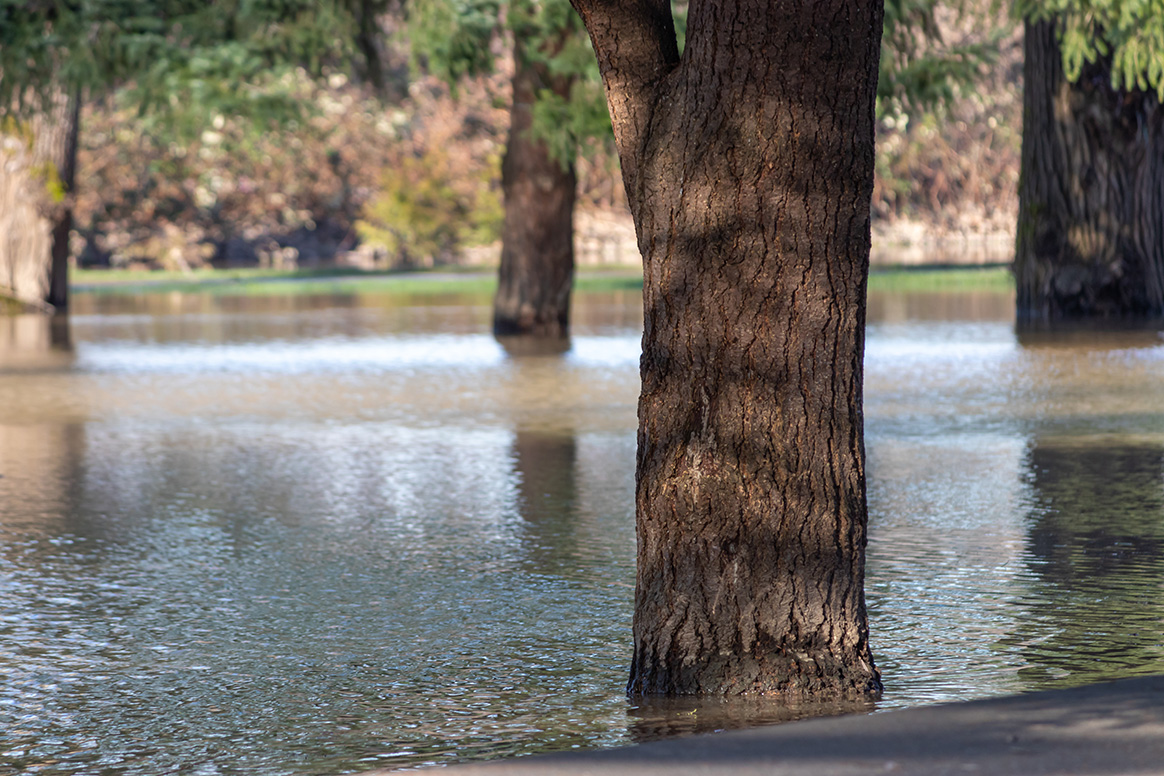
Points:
x=260 y=282
x=992 y=278
x=475 y=281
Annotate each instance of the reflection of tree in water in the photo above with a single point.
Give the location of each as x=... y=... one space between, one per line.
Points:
x=35 y=342
x=1096 y=552
x=40 y=479
x=1090 y=334
x=534 y=347
x=547 y=497
x=557 y=539
x=657 y=718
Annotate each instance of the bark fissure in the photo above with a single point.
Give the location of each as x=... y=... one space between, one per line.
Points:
x=748 y=167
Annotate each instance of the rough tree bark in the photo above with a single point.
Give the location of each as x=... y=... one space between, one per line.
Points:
x=1090 y=237
x=537 y=241
x=748 y=166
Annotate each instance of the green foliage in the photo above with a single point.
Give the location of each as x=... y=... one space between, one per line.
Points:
x=565 y=125
x=421 y=217
x=1129 y=32
x=48 y=173
x=191 y=56
x=919 y=72
x=486 y=210
x=554 y=37
x=454 y=39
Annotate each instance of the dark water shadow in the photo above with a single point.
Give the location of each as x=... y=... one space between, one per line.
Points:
x=655 y=719
x=1102 y=335
x=547 y=493
x=533 y=347
x=1095 y=556
x=35 y=342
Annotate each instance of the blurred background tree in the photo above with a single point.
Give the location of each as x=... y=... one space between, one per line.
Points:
x=1090 y=235
x=557 y=107
x=188 y=61
x=183 y=164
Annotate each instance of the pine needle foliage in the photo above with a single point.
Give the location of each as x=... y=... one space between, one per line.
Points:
x=192 y=58
x=919 y=72
x=456 y=39
x=453 y=39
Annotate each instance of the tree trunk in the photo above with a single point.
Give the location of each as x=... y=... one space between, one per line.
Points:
x=749 y=171
x=1090 y=238
x=25 y=236
x=36 y=213
x=56 y=150
x=537 y=241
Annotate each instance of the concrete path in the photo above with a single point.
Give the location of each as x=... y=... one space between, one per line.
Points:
x=1115 y=728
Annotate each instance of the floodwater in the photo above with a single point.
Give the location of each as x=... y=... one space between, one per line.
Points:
x=322 y=535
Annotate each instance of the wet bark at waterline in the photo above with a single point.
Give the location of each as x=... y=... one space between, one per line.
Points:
x=537 y=242
x=749 y=170
x=1090 y=237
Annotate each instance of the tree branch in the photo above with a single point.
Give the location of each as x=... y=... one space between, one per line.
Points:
x=636 y=47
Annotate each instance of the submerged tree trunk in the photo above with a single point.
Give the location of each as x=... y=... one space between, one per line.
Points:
x=36 y=212
x=1090 y=238
x=749 y=171
x=537 y=242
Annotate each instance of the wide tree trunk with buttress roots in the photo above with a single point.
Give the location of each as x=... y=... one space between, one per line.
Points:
x=537 y=241
x=37 y=207
x=748 y=165
x=1090 y=237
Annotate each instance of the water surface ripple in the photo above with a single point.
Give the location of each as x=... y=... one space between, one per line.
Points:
x=319 y=536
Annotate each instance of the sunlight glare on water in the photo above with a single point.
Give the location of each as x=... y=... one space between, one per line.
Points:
x=317 y=536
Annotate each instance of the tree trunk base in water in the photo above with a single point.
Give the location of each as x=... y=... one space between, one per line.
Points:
x=792 y=677
x=1090 y=236
x=748 y=164
x=537 y=240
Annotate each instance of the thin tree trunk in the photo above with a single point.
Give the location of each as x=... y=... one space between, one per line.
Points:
x=55 y=149
x=537 y=243
x=369 y=39
x=1090 y=237
x=749 y=171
